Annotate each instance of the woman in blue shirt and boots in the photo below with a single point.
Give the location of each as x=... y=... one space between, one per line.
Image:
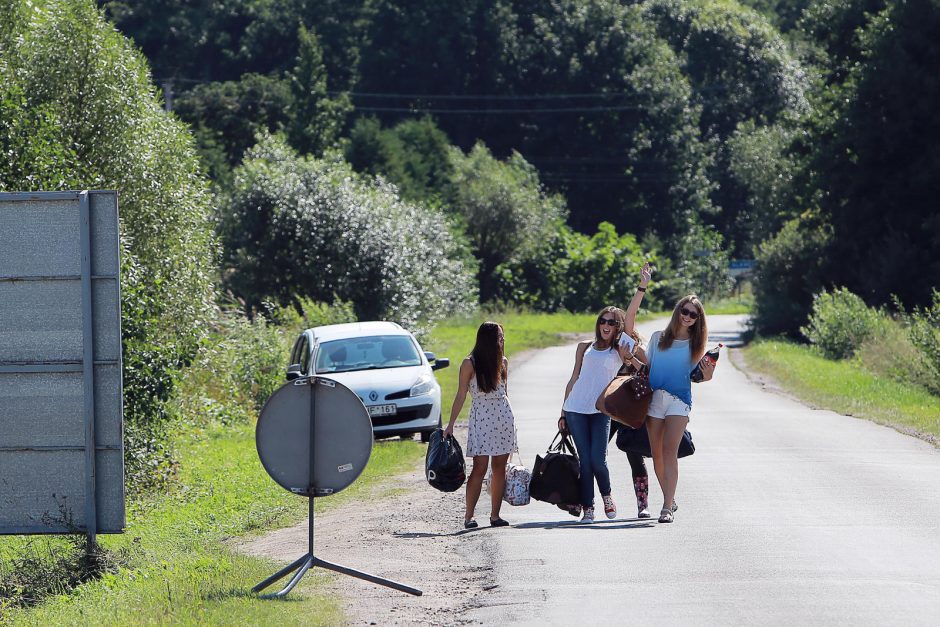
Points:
x=673 y=354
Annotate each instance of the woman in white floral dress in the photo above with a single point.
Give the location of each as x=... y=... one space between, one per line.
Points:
x=492 y=431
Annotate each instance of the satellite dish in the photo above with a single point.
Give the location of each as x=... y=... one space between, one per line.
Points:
x=342 y=439
x=314 y=437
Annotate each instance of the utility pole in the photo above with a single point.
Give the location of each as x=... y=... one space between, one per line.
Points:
x=168 y=94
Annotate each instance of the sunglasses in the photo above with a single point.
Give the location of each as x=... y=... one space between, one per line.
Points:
x=611 y=322
x=689 y=313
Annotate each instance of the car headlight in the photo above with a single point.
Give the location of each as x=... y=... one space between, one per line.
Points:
x=424 y=385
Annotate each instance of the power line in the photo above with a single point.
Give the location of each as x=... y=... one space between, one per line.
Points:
x=415 y=110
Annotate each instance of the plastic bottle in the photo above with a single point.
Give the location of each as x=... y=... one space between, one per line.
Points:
x=712 y=356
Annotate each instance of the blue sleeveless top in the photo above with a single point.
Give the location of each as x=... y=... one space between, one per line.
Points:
x=670 y=368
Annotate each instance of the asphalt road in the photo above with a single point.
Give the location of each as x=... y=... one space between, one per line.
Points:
x=787 y=515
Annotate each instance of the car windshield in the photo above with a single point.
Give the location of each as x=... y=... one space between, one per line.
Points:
x=366 y=353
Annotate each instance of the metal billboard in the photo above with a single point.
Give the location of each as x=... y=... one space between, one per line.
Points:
x=61 y=410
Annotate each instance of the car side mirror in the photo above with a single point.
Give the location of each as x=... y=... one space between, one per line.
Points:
x=293 y=372
x=430 y=356
x=443 y=362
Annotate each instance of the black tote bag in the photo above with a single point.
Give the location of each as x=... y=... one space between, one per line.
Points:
x=638 y=441
x=555 y=476
x=444 y=465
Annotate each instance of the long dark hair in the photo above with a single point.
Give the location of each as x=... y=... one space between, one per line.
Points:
x=698 y=332
x=619 y=316
x=487 y=356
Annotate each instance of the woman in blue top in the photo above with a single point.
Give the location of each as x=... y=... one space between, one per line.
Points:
x=672 y=355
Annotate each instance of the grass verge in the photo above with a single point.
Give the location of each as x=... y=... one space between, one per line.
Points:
x=176 y=567
x=846 y=387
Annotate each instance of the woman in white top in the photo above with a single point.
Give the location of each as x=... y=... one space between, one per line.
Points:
x=596 y=364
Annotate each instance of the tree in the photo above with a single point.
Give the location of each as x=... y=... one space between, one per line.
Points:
x=226 y=117
x=503 y=207
x=742 y=74
x=78 y=111
x=414 y=155
x=316 y=118
x=878 y=167
x=302 y=227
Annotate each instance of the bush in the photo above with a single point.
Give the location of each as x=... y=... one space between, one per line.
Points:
x=243 y=362
x=301 y=227
x=576 y=272
x=925 y=335
x=890 y=352
x=840 y=323
x=788 y=274
x=78 y=111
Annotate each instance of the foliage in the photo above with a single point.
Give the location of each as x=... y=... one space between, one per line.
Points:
x=925 y=335
x=576 y=272
x=79 y=112
x=34 y=572
x=742 y=73
x=503 y=207
x=221 y=41
x=226 y=116
x=762 y=167
x=891 y=353
x=298 y=226
x=316 y=119
x=878 y=161
x=840 y=323
x=789 y=272
x=701 y=267
x=243 y=361
x=623 y=148
x=414 y=155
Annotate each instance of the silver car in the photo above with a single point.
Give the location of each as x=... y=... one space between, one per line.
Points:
x=384 y=365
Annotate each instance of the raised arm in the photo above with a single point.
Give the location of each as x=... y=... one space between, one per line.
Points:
x=646 y=273
x=463 y=386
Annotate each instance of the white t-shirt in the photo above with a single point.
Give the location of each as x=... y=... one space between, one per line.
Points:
x=598 y=368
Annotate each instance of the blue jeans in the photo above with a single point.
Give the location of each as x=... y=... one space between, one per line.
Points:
x=590 y=432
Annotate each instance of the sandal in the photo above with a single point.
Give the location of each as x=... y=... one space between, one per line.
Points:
x=470 y=524
x=499 y=522
x=665 y=516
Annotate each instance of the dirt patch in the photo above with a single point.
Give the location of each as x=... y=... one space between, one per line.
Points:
x=415 y=538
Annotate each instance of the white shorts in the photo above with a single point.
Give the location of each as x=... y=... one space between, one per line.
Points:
x=665 y=404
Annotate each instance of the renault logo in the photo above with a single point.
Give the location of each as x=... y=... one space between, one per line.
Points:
x=373 y=395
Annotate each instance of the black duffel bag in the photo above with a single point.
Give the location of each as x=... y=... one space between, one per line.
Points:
x=444 y=466
x=555 y=476
x=638 y=441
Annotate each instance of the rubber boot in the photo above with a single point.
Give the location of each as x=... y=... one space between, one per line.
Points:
x=641 y=485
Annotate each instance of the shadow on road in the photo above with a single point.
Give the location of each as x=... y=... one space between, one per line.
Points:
x=624 y=523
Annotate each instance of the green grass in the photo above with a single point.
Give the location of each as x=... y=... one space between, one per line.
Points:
x=741 y=304
x=177 y=568
x=845 y=386
x=173 y=562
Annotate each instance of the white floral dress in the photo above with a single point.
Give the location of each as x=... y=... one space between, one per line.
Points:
x=492 y=428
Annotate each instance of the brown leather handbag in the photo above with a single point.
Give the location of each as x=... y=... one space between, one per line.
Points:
x=626 y=399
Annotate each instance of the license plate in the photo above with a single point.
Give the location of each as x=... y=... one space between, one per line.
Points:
x=383 y=410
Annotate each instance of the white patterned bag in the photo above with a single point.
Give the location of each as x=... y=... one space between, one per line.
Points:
x=517 y=484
